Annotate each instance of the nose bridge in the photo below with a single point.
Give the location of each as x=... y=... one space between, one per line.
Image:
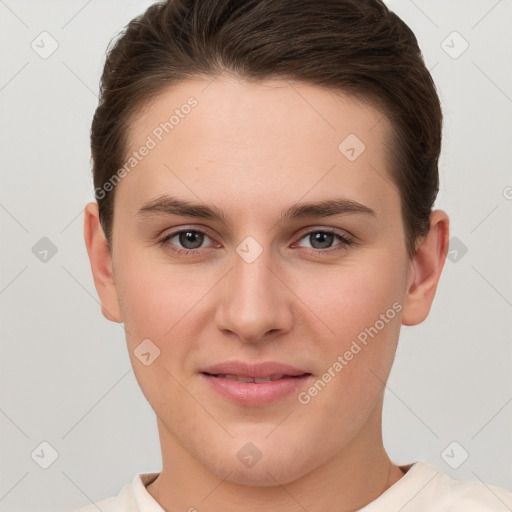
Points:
x=253 y=299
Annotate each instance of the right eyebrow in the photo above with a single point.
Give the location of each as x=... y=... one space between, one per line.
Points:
x=173 y=206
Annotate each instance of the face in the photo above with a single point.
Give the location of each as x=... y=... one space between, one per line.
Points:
x=255 y=276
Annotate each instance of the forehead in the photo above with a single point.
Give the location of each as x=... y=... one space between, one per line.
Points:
x=251 y=139
x=239 y=108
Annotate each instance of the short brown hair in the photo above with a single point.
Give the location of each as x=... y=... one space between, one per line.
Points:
x=355 y=46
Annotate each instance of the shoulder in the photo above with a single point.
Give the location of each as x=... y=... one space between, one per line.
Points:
x=106 y=505
x=450 y=495
x=466 y=495
x=425 y=488
x=133 y=497
x=123 y=502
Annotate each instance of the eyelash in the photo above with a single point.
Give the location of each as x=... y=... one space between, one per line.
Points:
x=345 y=242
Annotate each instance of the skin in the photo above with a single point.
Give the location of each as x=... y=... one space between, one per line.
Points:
x=253 y=149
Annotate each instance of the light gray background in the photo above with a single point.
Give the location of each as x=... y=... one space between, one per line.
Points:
x=65 y=374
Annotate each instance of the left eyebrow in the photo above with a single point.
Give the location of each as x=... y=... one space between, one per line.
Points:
x=169 y=205
x=327 y=208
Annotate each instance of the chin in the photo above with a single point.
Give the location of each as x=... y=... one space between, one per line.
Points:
x=269 y=467
x=268 y=474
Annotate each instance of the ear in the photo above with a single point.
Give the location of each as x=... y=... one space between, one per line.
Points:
x=427 y=265
x=101 y=263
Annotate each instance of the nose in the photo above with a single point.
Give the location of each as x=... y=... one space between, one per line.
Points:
x=255 y=304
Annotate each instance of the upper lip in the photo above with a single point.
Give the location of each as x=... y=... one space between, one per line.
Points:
x=258 y=371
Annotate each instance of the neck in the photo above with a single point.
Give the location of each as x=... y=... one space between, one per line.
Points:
x=352 y=478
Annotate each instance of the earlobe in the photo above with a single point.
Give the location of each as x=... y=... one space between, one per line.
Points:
x=428 y=263
x=101 y=263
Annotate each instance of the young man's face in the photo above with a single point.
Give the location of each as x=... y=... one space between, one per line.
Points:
x=257 y=287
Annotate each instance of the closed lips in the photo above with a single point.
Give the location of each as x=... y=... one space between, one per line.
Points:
x=252 y=372
x=254 y=384
x=241 y=378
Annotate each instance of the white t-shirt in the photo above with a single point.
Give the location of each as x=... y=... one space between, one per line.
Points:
x=423 y=488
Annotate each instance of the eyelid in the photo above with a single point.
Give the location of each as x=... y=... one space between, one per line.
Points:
x=327 y=229
x=345 y=239
x=344 y=242
x=177 y=230
x=303 y=232
x=165 y=237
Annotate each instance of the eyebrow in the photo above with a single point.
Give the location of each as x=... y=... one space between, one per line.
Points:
x=168 y=205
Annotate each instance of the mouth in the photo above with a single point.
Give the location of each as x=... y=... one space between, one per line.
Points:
x=255 y=391
x=256 y=380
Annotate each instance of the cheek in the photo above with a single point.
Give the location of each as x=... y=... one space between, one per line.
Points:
x=154 y=296
x=352 y=297
x=359 y=311
x=154 y=305
x=162 y=303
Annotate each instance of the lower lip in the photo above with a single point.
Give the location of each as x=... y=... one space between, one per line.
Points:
x=256 y=393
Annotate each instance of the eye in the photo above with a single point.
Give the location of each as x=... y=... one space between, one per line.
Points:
x=322 y=240
x=186 y=241
x=190 y=241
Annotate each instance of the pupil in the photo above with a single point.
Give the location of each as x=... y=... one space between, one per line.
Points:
x=191 y=239
x=324 y=240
